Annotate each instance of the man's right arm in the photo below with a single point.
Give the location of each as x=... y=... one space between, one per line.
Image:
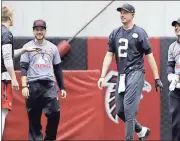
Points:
x=171 y=65
x=24 y=68
x=107 y=60
x=109 y=55
x=7 y=40
x=24 y=64
x=106 y=63
x=8 y=61
x=24 y=81
x=25 y=90
x=171 y=61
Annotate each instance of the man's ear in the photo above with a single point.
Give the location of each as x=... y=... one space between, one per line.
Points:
x=133 y=15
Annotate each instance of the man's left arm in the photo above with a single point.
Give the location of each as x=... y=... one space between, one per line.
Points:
x=18 y=52
x=150 y=57
x=153 y=65
x=58 y=72
x=59 y=75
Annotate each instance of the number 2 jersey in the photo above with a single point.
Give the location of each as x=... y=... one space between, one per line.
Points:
x=129 y=47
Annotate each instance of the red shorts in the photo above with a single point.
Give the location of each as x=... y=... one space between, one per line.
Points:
x=6 y=95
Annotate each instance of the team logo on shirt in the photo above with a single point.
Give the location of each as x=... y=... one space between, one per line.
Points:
x=135 y=35
x=43 y=58
x=110 y=83
x=42 y=62
x=178 y=64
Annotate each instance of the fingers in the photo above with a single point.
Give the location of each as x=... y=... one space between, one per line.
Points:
x=156 y=89
x=160 y=87
x=100 y=82
x=34 y=49
x=37 y=49
x=99 y=85
x=63 y=94
x=25 y=93
x=15 y=87
x=31 y=49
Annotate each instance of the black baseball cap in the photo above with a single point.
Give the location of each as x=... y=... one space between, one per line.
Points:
x=176 y=22
x=126 y=7
x=39 y=23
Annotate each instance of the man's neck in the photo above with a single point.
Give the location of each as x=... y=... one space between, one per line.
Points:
x=128 y=25
x=40 y=41
x=6 y=25
x=178 y=40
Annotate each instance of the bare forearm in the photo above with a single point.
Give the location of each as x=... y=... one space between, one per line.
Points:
x=24 y=80
x=11 y=72
x=18 y=52
x=106 y=64
x=153 y=65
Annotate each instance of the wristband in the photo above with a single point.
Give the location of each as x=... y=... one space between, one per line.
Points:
x=24 y=87
x=63 y=88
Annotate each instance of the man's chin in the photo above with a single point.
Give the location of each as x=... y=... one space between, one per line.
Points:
x=178 y=33
x=40 y=38
x=124 y=22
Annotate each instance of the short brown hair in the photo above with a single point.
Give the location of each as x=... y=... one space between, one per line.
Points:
x=6 y=13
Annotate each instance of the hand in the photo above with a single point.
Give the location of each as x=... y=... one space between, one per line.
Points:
x=31 y=49
x=15 y=84
x=100 y=83
x=159 y=84
x=63 y=94
x=25 y=92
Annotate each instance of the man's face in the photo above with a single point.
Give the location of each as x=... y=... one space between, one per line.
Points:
x=177 y=29
x=39 y=33
x=126 y=16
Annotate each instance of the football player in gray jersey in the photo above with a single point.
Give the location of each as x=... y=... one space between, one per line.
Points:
x=173 y=71
x=40 y=71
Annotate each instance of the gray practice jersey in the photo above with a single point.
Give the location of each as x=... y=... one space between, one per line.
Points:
x=41 y=63
x=174 y=55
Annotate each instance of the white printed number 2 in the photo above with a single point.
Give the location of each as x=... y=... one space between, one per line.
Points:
x=124 y=47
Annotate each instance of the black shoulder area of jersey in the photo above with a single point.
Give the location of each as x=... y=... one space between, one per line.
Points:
x=6 y=36
x=114 y=32
x=139 y=30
